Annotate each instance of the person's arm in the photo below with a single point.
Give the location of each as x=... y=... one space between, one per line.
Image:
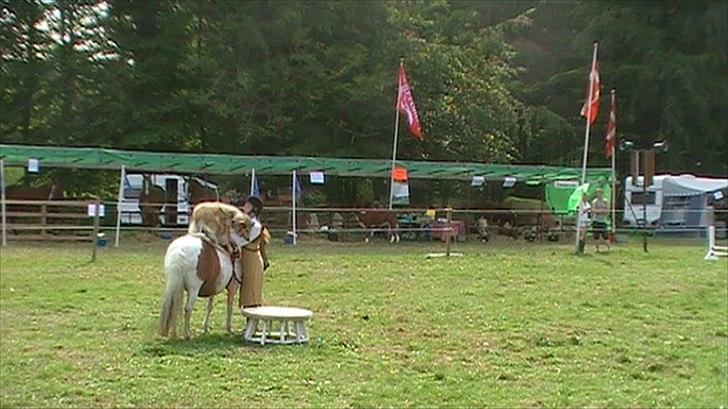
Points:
x=264 y=240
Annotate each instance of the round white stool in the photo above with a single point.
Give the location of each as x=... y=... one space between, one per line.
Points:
x=293 y=325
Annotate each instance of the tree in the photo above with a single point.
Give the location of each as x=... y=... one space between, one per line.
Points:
x=667 y=61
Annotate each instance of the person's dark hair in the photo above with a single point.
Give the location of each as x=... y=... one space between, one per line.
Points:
x=257 y=204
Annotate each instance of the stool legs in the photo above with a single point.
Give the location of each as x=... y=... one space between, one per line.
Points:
x=264 y=332
x=299 y=331
x=250 y=328
x=291 y=331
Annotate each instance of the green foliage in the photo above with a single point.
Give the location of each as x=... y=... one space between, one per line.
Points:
x=493 y=81
x=667 y=62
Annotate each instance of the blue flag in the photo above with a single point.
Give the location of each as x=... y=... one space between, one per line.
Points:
x=298 y=189
x=127 y=184
x=256 y=188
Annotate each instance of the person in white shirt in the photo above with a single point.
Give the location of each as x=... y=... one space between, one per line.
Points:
x=582 y=221
x=600 y=210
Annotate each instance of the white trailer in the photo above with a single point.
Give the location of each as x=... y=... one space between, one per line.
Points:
x=133 y=185
x=638 y=203
x=681 y=201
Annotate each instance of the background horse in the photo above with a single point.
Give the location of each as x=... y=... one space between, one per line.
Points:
x=200 y=193
x=151 y=201
x=378 y=218
x=202 y=270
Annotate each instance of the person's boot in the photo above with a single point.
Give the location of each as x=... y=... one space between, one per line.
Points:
x=582 y=246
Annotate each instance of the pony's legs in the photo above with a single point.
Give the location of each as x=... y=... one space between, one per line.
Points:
x=191 y=299
x=231 y=289
x=206 y=325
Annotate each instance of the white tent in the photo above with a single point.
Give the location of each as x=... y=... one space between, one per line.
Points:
x=689 y=185
x=688 y=200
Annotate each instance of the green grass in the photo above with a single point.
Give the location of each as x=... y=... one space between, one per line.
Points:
x=505 y=325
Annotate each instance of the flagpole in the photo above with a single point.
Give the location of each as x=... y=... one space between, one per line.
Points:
x=394 y=148
x=2 y=204
x=119 y=199
x=614 y=178
x=293 y=196
x=252 y=182
x=586 y=134
x=588 y=115
x=614 y=195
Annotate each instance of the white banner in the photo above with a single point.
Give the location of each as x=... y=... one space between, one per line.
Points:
x=316 y=178
x=509 y=181
x=400 y=193
x=566 y=184
x=33 y=165
x=91 y=212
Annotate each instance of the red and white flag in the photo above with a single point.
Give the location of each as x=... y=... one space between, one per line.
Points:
x=591 y=108
x=611 y=129
x=406 y=105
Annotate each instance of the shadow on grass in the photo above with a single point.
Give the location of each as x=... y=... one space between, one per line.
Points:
x=200 y=344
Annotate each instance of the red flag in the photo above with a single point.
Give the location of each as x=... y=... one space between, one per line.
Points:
x=406 y=105
x=611 y=129
x=594 y=84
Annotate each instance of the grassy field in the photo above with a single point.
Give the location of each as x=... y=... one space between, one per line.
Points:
x=505 y=325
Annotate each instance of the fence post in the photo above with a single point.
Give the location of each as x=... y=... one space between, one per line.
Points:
x=448 y=235
x=95 y=233
x=2 y=203
x=293 y=205
x=43 y=220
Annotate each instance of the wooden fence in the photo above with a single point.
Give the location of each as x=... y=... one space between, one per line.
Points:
x=51 y=220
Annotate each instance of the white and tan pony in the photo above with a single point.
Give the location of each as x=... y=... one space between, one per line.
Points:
x=193 y=264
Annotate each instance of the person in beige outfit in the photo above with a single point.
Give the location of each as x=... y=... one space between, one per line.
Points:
x=253 y=257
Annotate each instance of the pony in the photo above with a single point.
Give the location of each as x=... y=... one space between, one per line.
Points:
x=378 y=218
x=193 y=264
x=151 y=201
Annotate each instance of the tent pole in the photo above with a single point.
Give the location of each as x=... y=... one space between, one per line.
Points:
x=2 y=200
x=119 y=199
x=293 y=207
x=252 y=182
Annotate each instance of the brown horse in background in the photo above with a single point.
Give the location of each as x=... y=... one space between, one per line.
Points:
x=379 y=218
x=200 y=193
x=151 y=201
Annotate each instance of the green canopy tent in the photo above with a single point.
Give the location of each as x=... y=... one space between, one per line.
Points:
x=171 y=162
x=191 y=163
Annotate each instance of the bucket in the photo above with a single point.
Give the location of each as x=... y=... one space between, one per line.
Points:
x=101 y=240
x=288 y=238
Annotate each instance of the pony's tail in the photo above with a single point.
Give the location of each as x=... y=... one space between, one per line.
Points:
x=171 y=300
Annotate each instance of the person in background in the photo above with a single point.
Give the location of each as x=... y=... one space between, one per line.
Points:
x=430 y=213
x=254 y=257
x=483 y=229
x=600 y=212
x=582 y=221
